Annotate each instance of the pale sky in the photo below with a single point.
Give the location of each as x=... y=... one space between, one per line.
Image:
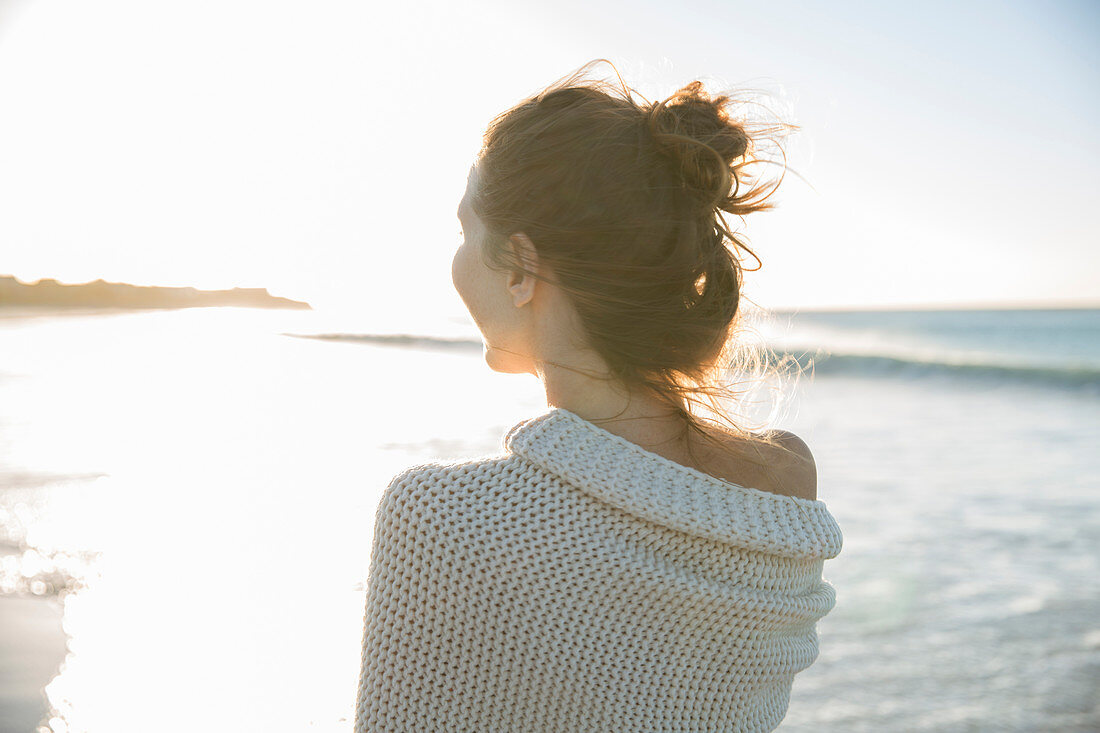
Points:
x=319 y=149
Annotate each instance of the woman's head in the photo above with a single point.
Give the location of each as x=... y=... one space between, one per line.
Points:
x=620 y=205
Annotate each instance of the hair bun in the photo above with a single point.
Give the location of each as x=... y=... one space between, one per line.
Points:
x=695 y=131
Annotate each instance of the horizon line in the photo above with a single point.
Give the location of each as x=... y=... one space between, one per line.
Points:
x=1074 y=304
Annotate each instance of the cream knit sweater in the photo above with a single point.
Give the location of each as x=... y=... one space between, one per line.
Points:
x=579 y=582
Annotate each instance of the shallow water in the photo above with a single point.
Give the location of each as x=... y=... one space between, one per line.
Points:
x=200 y=488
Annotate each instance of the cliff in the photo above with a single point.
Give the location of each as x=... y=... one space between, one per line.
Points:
x=49 y=292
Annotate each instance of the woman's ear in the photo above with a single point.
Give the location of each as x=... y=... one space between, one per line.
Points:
x=521 y=285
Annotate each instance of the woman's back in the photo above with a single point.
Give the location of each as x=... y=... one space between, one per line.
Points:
x=581 y=583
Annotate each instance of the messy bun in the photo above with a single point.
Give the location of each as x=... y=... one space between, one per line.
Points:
x=625 y=203
x=696 y=132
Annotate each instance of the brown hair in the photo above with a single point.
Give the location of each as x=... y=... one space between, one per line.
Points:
x=625 y=203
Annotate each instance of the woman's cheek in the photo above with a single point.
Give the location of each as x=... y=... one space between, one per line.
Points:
x=457 y=270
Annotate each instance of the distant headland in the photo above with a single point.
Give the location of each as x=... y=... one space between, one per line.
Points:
x=102 y=294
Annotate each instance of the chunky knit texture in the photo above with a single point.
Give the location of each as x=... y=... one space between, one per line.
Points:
x=579 y=582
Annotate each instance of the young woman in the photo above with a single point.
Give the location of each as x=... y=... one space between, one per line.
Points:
x=623 y=564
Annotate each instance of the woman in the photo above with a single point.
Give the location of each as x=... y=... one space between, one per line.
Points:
x=623 y=564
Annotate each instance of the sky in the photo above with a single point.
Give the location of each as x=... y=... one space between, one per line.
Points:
x=947 y=151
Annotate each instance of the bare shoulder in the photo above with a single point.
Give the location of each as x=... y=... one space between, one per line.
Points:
x=777 y=461
x=795 y=468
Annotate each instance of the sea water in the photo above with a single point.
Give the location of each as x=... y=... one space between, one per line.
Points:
x=199 y=487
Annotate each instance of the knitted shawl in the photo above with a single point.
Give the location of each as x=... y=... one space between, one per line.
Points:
x=579 y=582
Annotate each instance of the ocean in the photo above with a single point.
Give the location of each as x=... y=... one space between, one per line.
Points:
x=197 y=487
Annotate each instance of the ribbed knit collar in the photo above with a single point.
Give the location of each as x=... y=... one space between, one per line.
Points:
x=633 y=479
